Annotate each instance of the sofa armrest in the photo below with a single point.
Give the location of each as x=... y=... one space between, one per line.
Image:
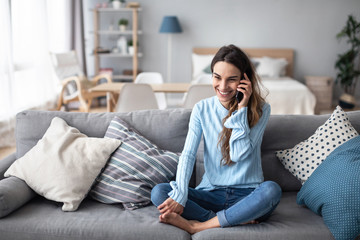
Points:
x=5 y=163
x=14 y=193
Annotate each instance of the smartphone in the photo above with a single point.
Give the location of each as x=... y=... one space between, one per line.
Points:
x=239 y=95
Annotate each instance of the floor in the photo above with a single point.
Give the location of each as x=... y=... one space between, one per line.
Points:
x=6 y=151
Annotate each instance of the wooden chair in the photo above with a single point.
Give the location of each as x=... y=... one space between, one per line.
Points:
x=135 y=97
x=75 y=85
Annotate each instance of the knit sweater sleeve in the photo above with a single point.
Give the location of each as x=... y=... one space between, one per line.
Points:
x=244 y=139
x=187 y=159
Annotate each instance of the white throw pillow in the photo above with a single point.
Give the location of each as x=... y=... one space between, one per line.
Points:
x=271 y=67
x=63 y=165
x=306 y=156
x=199 y=63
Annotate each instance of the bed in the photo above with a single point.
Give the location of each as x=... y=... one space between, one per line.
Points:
x=285 y=94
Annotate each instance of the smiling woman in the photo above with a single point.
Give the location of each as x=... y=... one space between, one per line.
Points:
x=232 y=191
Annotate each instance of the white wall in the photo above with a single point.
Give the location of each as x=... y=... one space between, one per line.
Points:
x=307 y=26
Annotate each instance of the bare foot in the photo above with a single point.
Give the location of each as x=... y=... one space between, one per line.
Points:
x=178 y=221
x=191 y=226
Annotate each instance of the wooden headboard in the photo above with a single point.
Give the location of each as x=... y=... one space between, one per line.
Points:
x=286 y=53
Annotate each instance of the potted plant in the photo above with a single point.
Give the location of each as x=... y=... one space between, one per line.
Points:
x=348 y=63
x=131 y=47
x=122 y=24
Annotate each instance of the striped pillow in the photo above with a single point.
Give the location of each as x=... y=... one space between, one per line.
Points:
x=133 y=169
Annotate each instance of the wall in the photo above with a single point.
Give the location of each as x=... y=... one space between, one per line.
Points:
x=308 y=26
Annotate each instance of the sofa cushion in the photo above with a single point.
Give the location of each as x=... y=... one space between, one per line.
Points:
x=41 y=219
x=133 y=169
x=63 y=164
x=288 y=221
x=306 y=156
x=333 y=190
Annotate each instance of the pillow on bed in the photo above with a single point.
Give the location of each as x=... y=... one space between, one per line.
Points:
x=200 y=63
x=207 y=69
x=271 y=67
x=255 y=62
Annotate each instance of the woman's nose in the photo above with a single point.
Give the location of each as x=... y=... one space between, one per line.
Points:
x=223 y=84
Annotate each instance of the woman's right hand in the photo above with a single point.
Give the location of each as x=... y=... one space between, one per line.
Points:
x=170 y=205
x=246 y=88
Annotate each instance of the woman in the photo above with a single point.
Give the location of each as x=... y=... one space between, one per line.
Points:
x=232 y=191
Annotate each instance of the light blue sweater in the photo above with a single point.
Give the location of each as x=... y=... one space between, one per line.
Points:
x=206 y=119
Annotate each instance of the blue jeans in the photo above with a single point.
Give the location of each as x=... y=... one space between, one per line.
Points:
x=233 y=206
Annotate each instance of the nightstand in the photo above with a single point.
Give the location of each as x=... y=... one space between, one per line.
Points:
x=322 y=88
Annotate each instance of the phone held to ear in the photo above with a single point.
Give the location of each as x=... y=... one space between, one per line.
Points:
x=239 y=96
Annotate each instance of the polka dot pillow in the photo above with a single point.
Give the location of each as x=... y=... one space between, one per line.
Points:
x=306 y=156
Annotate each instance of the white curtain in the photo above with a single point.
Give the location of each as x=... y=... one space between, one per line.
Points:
x=30 y=30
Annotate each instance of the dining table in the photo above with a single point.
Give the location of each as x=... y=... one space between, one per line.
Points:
x=113 y=90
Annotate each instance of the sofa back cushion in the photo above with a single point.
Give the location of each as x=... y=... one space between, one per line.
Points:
x=285 y=131
x=165 y=128
x=168 y=128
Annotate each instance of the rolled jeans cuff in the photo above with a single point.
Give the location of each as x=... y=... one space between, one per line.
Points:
x=222 y=219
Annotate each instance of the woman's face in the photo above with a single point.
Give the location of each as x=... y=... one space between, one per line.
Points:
x=226 y=78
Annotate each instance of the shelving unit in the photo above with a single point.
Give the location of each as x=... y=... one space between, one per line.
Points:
x=134 y=32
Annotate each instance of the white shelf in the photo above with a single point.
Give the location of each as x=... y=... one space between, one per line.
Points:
x=117 y=55
x=116 y=32
x=110 y=9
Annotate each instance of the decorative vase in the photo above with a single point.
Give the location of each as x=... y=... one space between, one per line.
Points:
x=347 y=101
x=122 y=45
x=116 y=4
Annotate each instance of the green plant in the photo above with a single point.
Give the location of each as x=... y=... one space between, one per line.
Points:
x=123 y=21
x=348 y=63
x=130 y=43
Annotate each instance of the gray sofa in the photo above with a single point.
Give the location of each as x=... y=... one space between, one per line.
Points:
x=43 y=219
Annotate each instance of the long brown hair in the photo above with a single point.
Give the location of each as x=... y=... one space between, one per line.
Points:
x=234 y=55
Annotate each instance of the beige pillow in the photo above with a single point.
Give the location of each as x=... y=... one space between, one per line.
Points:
x=63 y=165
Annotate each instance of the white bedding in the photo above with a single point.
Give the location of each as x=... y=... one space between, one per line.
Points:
x=285 y=95
x=289 y=96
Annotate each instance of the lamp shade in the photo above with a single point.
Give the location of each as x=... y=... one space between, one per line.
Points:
x=170 y=24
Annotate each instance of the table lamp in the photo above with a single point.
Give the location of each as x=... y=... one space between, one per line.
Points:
x=170 y=25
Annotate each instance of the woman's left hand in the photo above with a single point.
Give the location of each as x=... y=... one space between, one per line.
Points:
x=170 y=205
x=246 y=88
